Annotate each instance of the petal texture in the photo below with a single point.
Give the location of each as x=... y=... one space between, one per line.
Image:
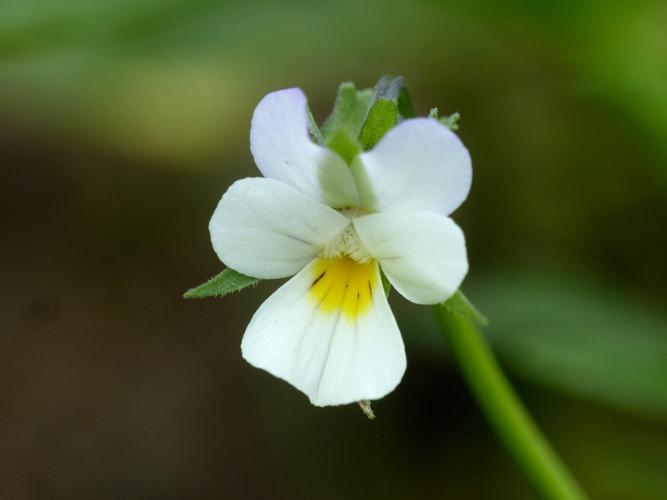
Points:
x=283 y=150
x=422 y=253
x=309 y=334
x=266 y=229
x=418 y=165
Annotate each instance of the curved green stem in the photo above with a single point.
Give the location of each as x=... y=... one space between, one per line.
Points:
x=504 y=410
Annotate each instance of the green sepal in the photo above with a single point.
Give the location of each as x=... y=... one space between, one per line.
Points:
x=349 y=111
x=382 y=116
x=391 y=103
x=451 y=121
x=382 y=87
x=345 y=143
x=386 y=284
x=459 y=305
x=366 y=408
x=395 y=88
x=228 y=281
x=314 y=130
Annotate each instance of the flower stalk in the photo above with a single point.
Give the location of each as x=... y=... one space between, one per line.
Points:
x=504 y=411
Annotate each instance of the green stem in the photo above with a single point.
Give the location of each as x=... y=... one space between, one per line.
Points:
x=505 y=412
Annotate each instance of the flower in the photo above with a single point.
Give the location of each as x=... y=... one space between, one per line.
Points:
x=329 y=330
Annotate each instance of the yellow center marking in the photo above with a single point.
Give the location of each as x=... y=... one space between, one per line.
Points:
x=342 y=284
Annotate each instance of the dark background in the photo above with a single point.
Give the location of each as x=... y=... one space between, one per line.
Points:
x=123 y=122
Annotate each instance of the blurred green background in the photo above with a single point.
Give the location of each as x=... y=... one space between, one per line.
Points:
x=123 y=122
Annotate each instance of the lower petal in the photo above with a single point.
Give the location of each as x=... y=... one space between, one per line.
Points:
x=330 y=333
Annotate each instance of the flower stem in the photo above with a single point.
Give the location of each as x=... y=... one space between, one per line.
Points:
x=504 y=411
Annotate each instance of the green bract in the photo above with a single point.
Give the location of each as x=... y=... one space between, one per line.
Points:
x=228 y=281
x=344 y=142
x=350 y=109
x=451 y=121
x=382 y=117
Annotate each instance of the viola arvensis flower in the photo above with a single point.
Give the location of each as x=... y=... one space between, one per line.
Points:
x=329 y=330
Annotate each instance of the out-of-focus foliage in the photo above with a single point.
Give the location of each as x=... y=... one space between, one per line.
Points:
x=595 y=341
x=121 y=124
x=133 y=74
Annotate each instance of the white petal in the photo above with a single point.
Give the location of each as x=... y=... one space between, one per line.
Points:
x=419 y=165
x=310 y=339
x=422 y=253
x=266 y=229
x=283 y=150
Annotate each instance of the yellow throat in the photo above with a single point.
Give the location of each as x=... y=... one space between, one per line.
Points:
x=344 y=285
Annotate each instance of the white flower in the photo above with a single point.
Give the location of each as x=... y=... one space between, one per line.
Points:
x=329 y=330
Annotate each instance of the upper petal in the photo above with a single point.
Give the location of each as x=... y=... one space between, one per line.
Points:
x=266 y=229
x=336 y=340
x=283 y=150
x=422 y=253
x=418 y=165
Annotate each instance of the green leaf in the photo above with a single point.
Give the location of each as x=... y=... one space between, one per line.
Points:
x=349 y=111
x=228 y=281
x=345 y=143
x=460 y=305
x=564 y=330
x=386 y=284
x=390 y=87
x=451 y=121
x=391 y=102
x=382 y=116
x=396 y=89
x=314 y=130
x=382 y=87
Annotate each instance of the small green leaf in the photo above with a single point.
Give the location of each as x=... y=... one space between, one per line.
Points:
x=382 y=116
x=382 y=87
x=314 y=130
x=404 y=101
x=451 y=121
x=459 y=304
x=349 y=111
x=391 y=102
x=386 y=284
x=395 y=89
x=228 y=281
x=345 y=143
x=390 y=87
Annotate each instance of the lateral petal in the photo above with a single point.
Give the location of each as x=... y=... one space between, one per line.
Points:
x=266 y=229
x=423 y=254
